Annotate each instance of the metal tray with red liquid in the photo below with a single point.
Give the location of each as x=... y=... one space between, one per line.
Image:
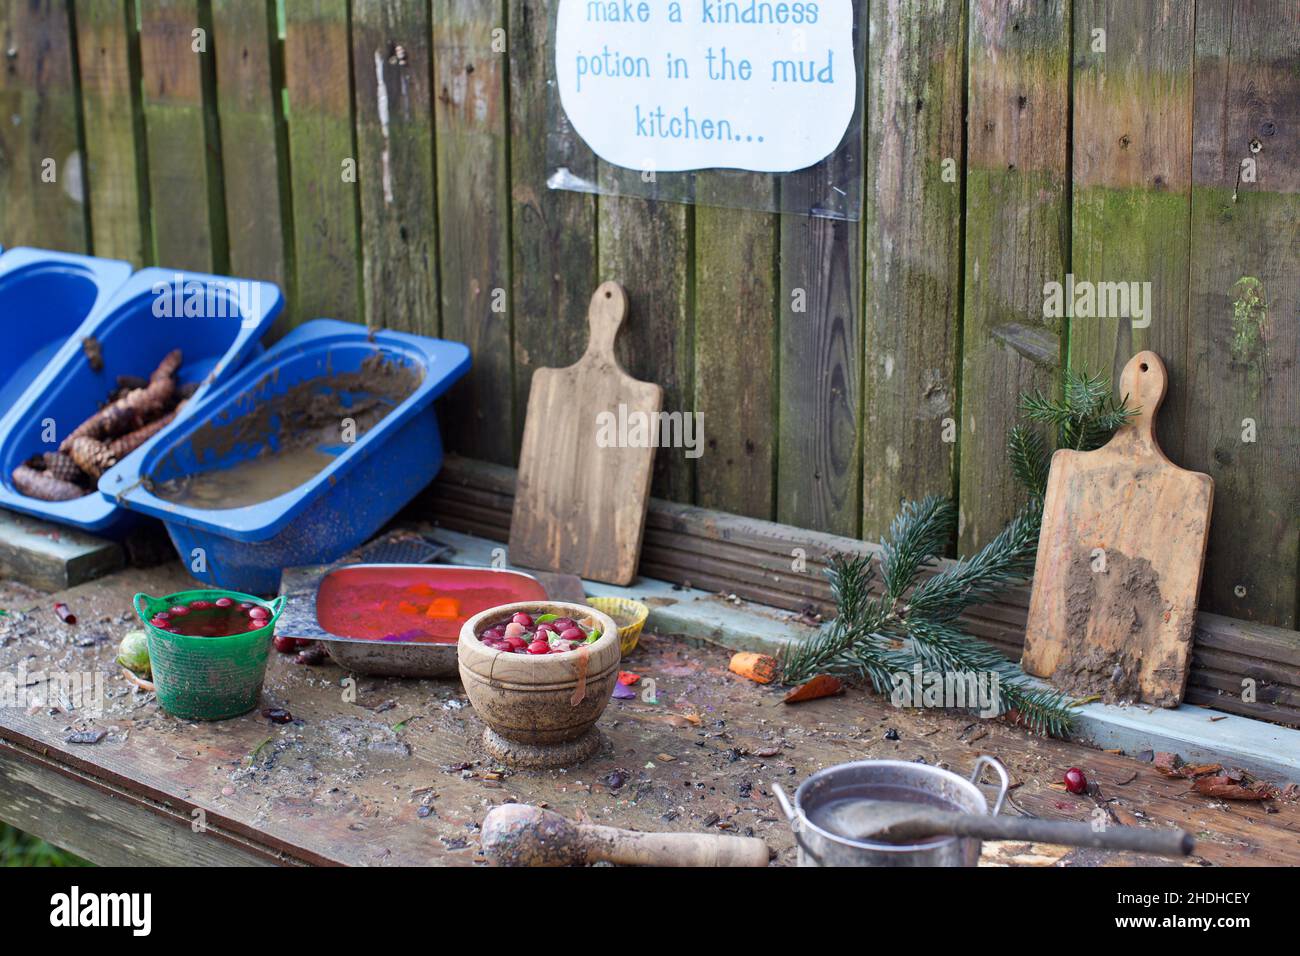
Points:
x=395 y=620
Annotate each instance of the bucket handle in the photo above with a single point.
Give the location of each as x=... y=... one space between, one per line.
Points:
x=135 y=603
x=795 y=819
x=276 y=605
x=984 y=760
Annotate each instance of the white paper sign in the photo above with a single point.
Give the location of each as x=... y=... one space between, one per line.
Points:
x=764 y=85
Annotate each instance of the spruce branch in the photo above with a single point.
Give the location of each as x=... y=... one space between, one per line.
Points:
x=1029 y=460
x=916 y=535
x=1005 y=561
x=888 y=623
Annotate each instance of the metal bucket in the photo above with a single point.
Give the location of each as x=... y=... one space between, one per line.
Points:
x=887 y=780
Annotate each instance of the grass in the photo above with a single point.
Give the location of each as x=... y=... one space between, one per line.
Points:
x=22 y=849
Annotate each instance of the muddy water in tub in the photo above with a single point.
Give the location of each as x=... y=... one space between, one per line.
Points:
x=300 y=432
x=824 y=813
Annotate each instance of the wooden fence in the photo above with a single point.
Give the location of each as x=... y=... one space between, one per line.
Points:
x=840 y=366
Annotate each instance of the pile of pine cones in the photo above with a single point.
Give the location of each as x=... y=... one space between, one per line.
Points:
x=135 y=411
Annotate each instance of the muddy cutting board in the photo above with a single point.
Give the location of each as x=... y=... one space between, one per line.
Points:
x=1113 y=606
x=581 y=500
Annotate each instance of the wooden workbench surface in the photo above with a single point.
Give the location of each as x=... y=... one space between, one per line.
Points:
x=394 y=773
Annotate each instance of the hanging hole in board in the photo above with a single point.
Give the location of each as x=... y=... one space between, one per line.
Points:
x=1143 y=366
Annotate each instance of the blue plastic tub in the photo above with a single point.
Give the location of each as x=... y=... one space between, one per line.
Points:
x=44 y=298
x=215 y=321
x=365 y=482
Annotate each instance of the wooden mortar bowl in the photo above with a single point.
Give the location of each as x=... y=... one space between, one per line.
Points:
x=539 y=698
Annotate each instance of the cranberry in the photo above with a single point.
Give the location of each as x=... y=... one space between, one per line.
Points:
x=539 y=647
x=245 y=605
x=572 y=634
x=200 y=605
x=162 y=620
x=514 y=642
x=1075 y=781
x=525 y=620
x=515 y=629
x=285 y=645
x=257 y=611
x=178 y=610
x=564 y=623
x=224 y=602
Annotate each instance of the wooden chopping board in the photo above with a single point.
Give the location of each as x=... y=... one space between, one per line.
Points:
x=1120 y=555
x=580 y=507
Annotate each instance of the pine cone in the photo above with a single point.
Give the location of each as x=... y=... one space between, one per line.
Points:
x=134 y=409
x=91 y=455
x=37 y=484
x=58 y=465
x=119 y=448
x=168 y=367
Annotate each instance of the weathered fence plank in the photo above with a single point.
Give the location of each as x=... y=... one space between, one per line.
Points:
x=913 y=255
x=819 y=426
x=646 y=245
x=322 y=159
x=392 y=63
x=553 y=231
x=108 y=55
x=1017 y=239
x=735 y=337
x=40 y=157
x=470 y=119
x=184 y=162
x=1132 y=189
x=254 y=162
x=1243 y=387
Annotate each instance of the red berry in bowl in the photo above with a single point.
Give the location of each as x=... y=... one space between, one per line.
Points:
x=572 y=634
x=200 y=605
x=161 y=620
x=1075 y=781
x=285 y=645
x=539 y=647
x=224 y=602
x=257 y=612
x=524 y=619
x=178 y=610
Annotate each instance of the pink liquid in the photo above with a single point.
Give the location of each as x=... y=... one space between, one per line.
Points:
x=415 y=603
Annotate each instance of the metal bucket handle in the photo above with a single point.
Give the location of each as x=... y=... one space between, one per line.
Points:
x=984 y=760
x=787 y=807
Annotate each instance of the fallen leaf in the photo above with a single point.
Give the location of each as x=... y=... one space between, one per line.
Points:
x=1225 y=788
x=628 y=678
x=823 y=685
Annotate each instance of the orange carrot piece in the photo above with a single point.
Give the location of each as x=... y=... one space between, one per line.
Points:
x=757 y=667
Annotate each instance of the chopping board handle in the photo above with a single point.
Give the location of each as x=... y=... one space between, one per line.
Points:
x=605 y=316
x=1143 y=383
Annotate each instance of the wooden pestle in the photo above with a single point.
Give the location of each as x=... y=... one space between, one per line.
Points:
x=906 y=822
x=517 y=834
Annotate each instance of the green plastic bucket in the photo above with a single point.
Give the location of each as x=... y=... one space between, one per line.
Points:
x=207 y=678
